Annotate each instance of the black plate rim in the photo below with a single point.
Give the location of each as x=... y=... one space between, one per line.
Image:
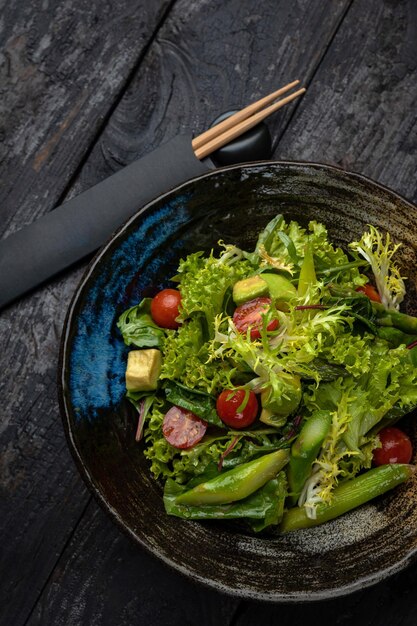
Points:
x=247 y=593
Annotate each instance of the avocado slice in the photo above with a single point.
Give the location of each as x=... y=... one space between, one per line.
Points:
x=281 y=402
x=274 y=285
x=279 y=287
x=249 y=289
x=271 y=419
x=143 y=369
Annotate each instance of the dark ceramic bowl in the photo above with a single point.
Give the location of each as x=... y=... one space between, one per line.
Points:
x=233 y=204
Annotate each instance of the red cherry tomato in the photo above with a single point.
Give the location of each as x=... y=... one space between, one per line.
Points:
x=165 y=308
x=395 y=447
x=370 y=291
x=228 y=404
x=249 y=315
x=182 y=429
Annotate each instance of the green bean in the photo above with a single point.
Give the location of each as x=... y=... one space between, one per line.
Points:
x=335 y=269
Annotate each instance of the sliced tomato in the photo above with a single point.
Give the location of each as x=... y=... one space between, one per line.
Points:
x=165 y=308
x=182 y=429
x=237 y=409
x=249 y=315
x=370 y=291
x=395 y=447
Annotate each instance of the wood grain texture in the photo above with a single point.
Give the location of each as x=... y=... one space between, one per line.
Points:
x=42 y=497
x=122 y=586
x=360 y=111
x=208 y=57
x=389 y=604
x=62 y=67
x=212 y=57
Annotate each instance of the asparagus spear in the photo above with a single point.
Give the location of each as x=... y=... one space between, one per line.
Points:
x=237 y=483
x=385 y=317
x=395 y=336
x=343 y=267
x=305 y=449
x=402 y=321
x=350 y=495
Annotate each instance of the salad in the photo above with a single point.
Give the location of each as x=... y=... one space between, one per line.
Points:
x=268 y=383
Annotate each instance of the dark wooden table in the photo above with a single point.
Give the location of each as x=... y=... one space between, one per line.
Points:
x=86 y=87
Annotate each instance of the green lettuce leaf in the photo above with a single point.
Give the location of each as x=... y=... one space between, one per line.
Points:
x=331 y=262
x=185 y=360
x=181 y=465
x=281 y=245
x=386 y=389
x=351 y=351
x=204 y=281
x=138 y=328
x=201 y=404
x=379 y=253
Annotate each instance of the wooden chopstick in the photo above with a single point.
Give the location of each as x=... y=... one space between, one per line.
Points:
x=241 y=115
x=240 y=122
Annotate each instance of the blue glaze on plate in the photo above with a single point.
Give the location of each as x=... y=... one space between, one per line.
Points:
x=98 y=356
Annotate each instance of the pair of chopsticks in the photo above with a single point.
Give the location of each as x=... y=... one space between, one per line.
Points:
x=243 y=120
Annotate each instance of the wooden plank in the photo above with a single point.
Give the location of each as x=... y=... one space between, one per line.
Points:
x=211 y=58
x=123 y=585
x=119 y=148
x=62 y=68
x=392 y=603
x=360 y=112
x=42 y=496
x=207 y=58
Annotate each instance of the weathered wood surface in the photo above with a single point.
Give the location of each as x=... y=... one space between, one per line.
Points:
x=62 y=67
x=360 y=110
x=122 y=586
x=62 y=560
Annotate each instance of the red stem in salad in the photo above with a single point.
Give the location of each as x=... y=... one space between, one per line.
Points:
x=295 y=427
x=227 y=451
x=305 y=307
x=141 y=421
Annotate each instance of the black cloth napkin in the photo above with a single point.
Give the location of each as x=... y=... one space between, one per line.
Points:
x=83 y=224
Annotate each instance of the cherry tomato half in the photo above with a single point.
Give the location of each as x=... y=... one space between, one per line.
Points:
x=182 y=429
x=370 y=291
x=165 y=308
x=249 y=315
x=395 y=447
x=228 y=404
